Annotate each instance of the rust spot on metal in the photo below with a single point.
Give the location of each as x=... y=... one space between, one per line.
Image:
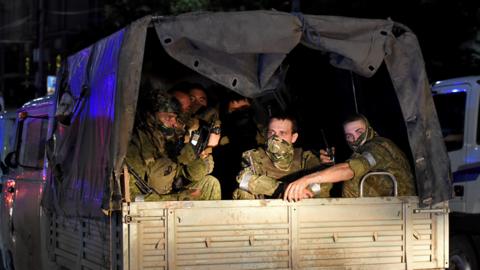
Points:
x=264 y=203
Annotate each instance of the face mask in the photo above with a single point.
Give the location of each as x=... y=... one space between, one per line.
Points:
x=280 y=152
x=366 y=136
x=167 y=131
x=358 y=142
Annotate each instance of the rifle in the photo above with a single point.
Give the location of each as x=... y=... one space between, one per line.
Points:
x=139 y=182
x=200 y=137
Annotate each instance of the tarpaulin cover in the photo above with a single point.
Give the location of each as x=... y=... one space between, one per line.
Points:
x=82 y=160
x=244 y=52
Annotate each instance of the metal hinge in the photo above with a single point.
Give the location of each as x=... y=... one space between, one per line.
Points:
x=127 y=219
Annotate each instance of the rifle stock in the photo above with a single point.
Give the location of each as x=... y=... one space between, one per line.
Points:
x=139 y=182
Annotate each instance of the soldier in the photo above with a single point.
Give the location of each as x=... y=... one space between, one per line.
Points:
x=266 y=170
x=240 y=133
x=150 y=159
x=370 y=153
x=184 y=117
x=201 y=109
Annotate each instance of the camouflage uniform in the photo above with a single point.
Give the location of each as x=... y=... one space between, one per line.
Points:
x=147 y=154
x=267 y=171
x=378 y=154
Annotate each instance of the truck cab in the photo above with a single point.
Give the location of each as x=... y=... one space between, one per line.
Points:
x=22 y=182
x=7 y=134
x=457 y=102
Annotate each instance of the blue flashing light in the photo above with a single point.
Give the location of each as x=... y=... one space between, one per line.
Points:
x=455 y=90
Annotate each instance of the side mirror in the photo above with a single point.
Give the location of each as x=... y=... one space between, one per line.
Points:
x=11 y=160
x=65 y=109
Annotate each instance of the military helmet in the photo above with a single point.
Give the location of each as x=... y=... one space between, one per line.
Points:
x=164 y=102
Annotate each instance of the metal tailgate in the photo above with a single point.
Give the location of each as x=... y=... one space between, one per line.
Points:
x=366 y=233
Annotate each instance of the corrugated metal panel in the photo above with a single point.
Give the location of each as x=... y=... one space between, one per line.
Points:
x=80 y=243
x=429 y=240
x=423 y=238
x=368 y=233
x=148 y=237
x=347 y=236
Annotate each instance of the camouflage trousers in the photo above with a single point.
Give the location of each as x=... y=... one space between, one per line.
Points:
x=206 y=189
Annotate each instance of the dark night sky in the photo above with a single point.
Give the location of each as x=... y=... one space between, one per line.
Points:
x=448 y=31
x=444 y=27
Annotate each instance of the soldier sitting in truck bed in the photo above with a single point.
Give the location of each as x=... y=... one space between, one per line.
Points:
x=267 y=170
x=370 y=153
x=153 y=169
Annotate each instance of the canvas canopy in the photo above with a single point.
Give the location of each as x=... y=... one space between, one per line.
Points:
x=242 y=51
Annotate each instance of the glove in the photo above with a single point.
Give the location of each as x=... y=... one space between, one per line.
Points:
x=196 y=170
x=187 y=154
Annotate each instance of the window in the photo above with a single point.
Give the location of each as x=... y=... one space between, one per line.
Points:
x=451 y=113
x=32 y=144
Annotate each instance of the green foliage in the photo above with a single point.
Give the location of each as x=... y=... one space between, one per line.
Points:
x=182 y=6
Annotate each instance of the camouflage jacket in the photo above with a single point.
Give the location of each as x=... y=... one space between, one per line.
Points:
x=260 y=176
x=379 y=154
x=148 y=156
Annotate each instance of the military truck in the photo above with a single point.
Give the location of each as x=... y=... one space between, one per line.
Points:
x=66 y=206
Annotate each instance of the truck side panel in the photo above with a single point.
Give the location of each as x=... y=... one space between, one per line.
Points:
x=81 y=243
x=374 y=233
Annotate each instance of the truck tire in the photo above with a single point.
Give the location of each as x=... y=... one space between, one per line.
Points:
x=462 y=253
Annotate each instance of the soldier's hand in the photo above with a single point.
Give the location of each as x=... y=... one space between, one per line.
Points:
x=196 y=170
x=206 y=153
x=297 y=191
x=325 y=157
x=187 y=154
x=213 y=140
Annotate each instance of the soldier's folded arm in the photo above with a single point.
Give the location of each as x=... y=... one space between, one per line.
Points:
x=340 y=172
x=197 y=169
x=257 y=184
